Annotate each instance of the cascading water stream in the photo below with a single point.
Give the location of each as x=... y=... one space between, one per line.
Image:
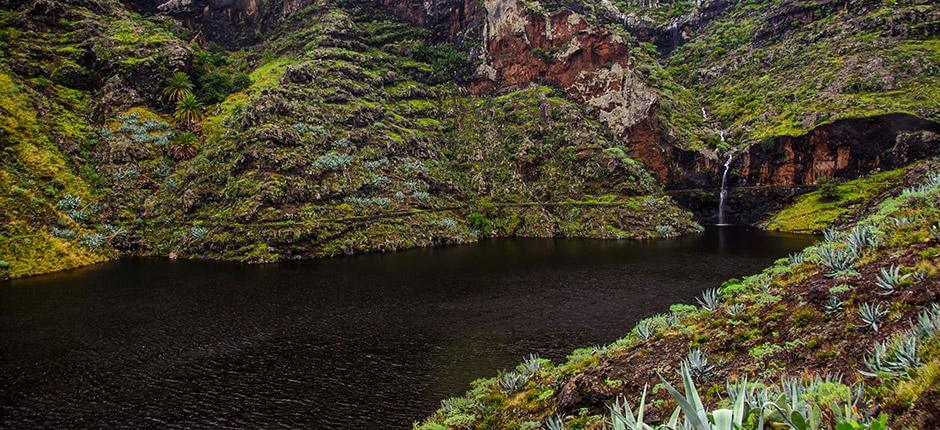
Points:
x=723 y=195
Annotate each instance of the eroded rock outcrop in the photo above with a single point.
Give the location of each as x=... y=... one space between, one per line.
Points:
x=844 y=149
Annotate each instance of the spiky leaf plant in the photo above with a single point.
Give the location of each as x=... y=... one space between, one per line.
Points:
x=178 y=86
x=555 y=422
x=697 y=362
x=889 y=280
x=840 y=261
x=645 y=329
x=621 y=415
x=872 y=314
x=512 y=381
x=709 y=300
x=833 y=305
x=531 y=365
x=188 y=110
x=927 y=324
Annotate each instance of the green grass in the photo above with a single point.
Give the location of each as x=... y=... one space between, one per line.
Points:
x=812 y=213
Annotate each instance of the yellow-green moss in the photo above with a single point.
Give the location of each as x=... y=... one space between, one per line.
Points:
x=813 y=213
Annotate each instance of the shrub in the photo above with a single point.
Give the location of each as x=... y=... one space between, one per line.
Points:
x=828 y=189
x=177 y=86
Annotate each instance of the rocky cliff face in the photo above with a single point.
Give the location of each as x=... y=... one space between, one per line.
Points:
x=590 y=63
x=844 y=149
x=515 y=44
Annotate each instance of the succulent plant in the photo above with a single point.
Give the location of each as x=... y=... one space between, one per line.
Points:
x=645 y=329
x=512 y=381
x=458 y=404
x=900 y=221
x=893 y=361
x=797 y=258
x=833 y=305
x=621 y=415
x=530 y=365
x=673 y=318
x=872 y=314
x=888 y=280
x=861 y=237
x=927 y=324
x=735 y=309
x=838 y=260
x=697 y=362
x=709 y=299
x=554 y=422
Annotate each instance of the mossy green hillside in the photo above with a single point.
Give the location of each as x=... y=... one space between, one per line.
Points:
x=780 y=68
x=768 y=68
x=820 y=210
x=55 y=56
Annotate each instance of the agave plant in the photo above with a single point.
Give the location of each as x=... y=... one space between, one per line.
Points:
x=458 y=404
x=512 y=381
x=697 y=362
x=927 y=324
x=833 y=305
x=673 y=319
x=621 y=415
x=645 y=329
x=896 y=360
x=709 y=300
x=872 y=315
x=797 y=258
x=905 y=352
x=900 y=221
x=888 y=280
x=531 y=365
x=860 y=238
x=554 y=422
x=840 y=261
x=696 y=415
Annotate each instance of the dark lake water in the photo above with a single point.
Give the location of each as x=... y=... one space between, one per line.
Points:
x=373 y=341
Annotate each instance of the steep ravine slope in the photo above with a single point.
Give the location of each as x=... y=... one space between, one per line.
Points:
x=342 y=131
x=801 y=317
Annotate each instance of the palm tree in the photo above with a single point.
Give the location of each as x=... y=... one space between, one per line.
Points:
x=184 y=146
x=188 y=110
x=177 y=87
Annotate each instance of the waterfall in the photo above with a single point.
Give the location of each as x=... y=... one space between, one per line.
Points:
x=723 y=195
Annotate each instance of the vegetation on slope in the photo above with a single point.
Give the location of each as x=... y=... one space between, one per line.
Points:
x=836 y=203
x=768 y=68
x=780 y=68
x=353 y=137
x=860 y=307
x=343 y=131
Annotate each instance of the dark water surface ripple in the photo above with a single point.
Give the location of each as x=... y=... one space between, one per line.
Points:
x=373 y=341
